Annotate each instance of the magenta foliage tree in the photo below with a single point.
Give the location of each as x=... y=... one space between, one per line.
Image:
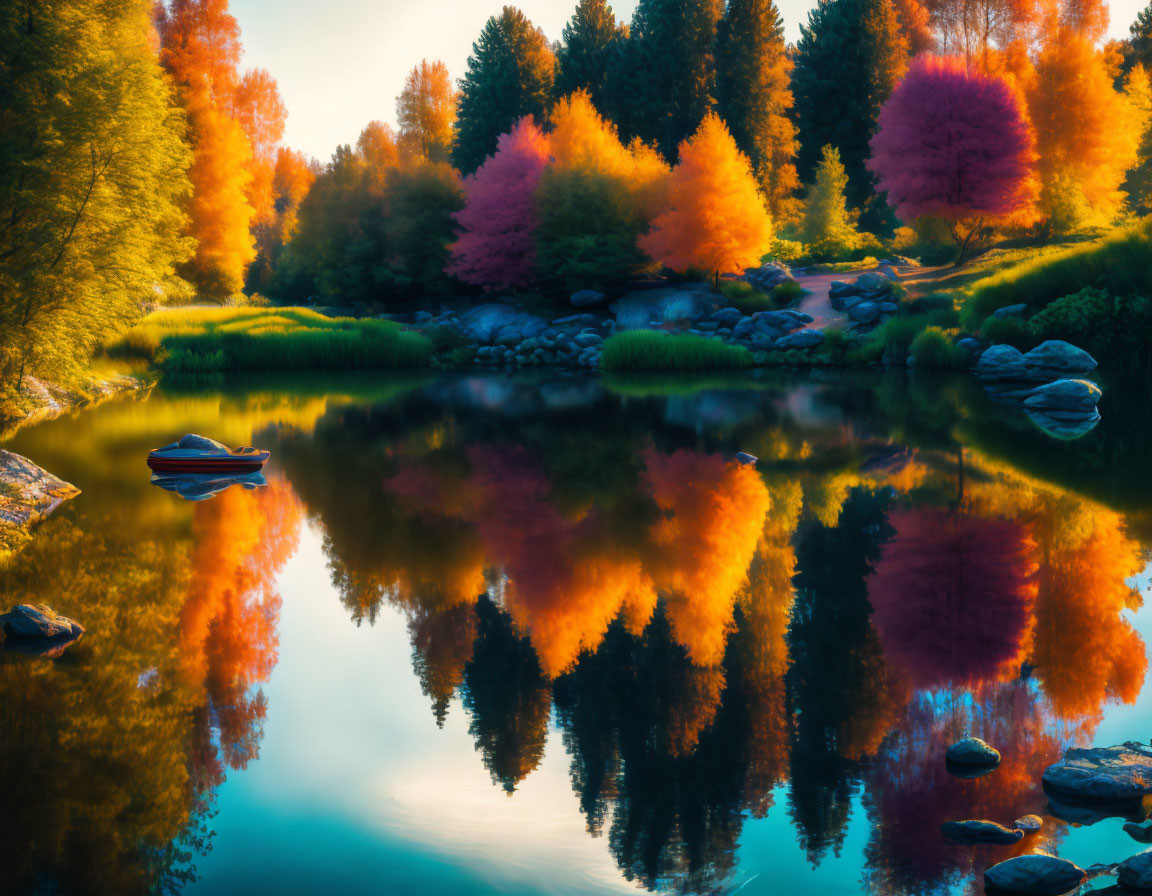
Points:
x=955 y=143
x=497 y=241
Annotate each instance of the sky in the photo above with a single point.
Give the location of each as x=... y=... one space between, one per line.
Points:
x=341 y=63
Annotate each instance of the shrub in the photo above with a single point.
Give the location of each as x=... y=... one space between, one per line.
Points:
x=788 y=292
x=933 y=349
x=1116 y=331
x=652 y=350
x=748 y=299
x=1120 y=264
x=892 y=340
x=1011 y=330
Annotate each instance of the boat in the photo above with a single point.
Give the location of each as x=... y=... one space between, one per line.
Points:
x=197 y=454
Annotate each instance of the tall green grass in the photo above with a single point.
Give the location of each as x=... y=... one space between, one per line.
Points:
x=1120 y=263
x=650 y=350
x=210 y=340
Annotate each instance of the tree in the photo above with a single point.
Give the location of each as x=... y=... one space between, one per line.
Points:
x=662 y=80
x=827 y=229
x=1138 y=92
x=953 y=143
x=92 y=176
x=200 y=49
x=584 y=56
x=510 y=75
x=292 y=177
x=916 y=24
x=595 y=200
x=1140 y=37
x=849 y=57
x=496 y=246
x=977 y=29
x=420 y=201
x=1090 y=160
x=754 y=98
x=426 y=112
x=715 y=218
x=260 y=111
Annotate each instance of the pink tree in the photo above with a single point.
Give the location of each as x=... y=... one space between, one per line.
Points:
x=497 y=241
x=954 y=142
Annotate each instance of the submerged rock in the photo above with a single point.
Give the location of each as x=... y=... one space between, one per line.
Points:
x=1030 y=824
x=972 y=752
x=1136 y=873
x=38 y=629
x=1034 y=875
x=1101 y=775
x=977 y=831
x=1138 y=832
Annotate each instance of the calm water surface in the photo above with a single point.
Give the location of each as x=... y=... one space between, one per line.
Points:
x=481 y=635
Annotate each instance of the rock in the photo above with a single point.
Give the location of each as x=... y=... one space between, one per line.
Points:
x=587 y=340
x=971 y=752
x=584 y=298
x=1136 y=872
x=977 y=831
x=1064 y=395
x=865 y=312
x=970 y=345
x=888 y=307
x=1034 y=875
x=1030 y=824
x=708 y=326
x=743 y=327
x=1101 y=775
x=872 y=284
x=583 y=320
x=38 y=629
x=422 y=317
x=785 y=321
x=1057 y=358
x=29 y=493
x=638 y=310
x=495 y=323
x=801 y=339
x=1001 y=362
x=888 y=271
x=1016 y=310
x=1138 y=832
x=838 y=288
x=745 y=458
x=769 y=276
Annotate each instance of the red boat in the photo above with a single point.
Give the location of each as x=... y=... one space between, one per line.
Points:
x=196 y=454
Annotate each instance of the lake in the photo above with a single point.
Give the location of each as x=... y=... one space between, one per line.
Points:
x=482 y=634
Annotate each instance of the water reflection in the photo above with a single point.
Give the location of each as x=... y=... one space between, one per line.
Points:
x=203 y=486
x=706 y=636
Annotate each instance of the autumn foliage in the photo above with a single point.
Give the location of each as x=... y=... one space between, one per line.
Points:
x=715 y=218
x=953 y=143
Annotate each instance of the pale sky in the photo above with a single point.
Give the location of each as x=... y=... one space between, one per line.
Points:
x=341 y=63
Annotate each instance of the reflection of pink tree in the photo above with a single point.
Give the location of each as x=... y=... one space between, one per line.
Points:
x=952 y=596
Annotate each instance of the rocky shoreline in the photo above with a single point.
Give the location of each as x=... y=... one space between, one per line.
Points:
x=39 y=400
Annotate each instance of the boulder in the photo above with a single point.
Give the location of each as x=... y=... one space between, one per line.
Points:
x=1034 y=875
x=1001 y=362
x=888 y=271
x=865 y=313
x=1010 y=310
x=29 y=493
x=1136 y=872
x=769 y=276
x=38 y=629
x=1057 y=358
x=1078 y=396
x=784 y=321
x=978 y=831
x=872 y=284
x=801 y=339
x=970 y=345
x=1138 y=832
x=1030 y=824
x=587 y=340
x=1101 y=775
x=972 y=752
x=639 y=310
x=585 y=298
x=495 y=323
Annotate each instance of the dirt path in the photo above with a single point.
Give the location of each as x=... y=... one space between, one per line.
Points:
x=819 y=305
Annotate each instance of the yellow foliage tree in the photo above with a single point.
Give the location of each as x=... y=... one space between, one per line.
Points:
x=715 y=218
x=426 y=112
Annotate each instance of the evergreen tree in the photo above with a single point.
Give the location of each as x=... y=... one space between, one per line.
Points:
x=753 y=97
x=850 y=56
x=510 y=75
x=1140 y=42
x=827 y=229
x=583 y=59
x=662 y=80
x=92 y=172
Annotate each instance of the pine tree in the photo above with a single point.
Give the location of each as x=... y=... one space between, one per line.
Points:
x=662 y=80
x=92 y=174
x=510 y=74
x=754 y=97
x=850 y=56
x=1140 y=39
x=426 y=112
x=827 y=230
x=589 y=40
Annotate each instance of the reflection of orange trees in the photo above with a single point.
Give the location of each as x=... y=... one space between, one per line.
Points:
x=712 y=516
x=910 y=793
x=228 y=624
x=1086 y=651
x=952 y=597
x=441 y=646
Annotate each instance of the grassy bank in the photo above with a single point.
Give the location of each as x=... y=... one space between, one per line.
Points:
x=652 y=350
x=207 y=340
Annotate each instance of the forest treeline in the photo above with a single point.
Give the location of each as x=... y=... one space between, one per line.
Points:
x=140 y=164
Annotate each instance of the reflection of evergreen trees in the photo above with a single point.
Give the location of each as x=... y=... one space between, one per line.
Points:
x=834 y=685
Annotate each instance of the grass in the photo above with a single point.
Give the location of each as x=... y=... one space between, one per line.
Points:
x=210 y=340
x=1120 y=263
x=741 y=294
x=934 y=349
x=650 y=350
